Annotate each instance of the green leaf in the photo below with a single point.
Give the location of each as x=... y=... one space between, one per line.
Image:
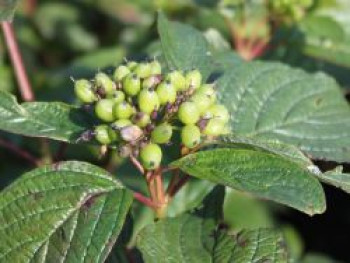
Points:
x=336 y=178
x=273 y=101
x=261 y=245
x=184 y=47
x=262 y=174
x=7 y=9
x=289 y=151
x=53 y=120
x=188 y=238
x=67 y=212
x=325 y=39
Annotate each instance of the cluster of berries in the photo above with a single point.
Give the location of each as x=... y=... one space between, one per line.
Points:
x=141 y=108
x=293 y=10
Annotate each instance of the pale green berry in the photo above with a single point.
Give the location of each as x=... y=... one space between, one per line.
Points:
x=190 y=136
x=118 y=96
x=143 y=70
x=123 y=110
x=84 y=91
x=177 y=79
x=132 y=85
x=214 y=127
x=208 y=90
x=132 y=65
x=156 y=68
x=150 y=82
x=193 y=79
x=104 y=110
x=104 y=82
x=104 y=134
x=141 y=119
x=219 y=112
x=151 y=156
x=166 y=93
x=162 y=133
x=148 y=101
x=202 y=102
x=120 y=73
x=188 y=113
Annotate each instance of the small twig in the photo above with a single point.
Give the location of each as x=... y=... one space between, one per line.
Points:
x=145 y=200
x=16 y=58
x=60 y=152
x=20 y=152
x=173 y=182
x=183 y=180
x=137 y=164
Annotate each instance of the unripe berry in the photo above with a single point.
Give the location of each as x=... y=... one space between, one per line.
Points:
x=132 y=65
x=119 y=124
x=188 y=113
x=177 y=79
x=118 y=96
x=131 y=133
x=214 y=128
x=156 y=68
x=105 y=83
x=208 y=90
x=202 y=101
x=104 y=110
x=190 y=136
x=104 y=134
x=120 y=72
x=162 y=133
x=143 y=70
x=123 y=110
x=166 y=93
x=141 y=119
x=193 y=79
x=148 y=101
x=151 y=156
x=151 y=82
x=132 y=84
x=219 y=112
x=84 y=91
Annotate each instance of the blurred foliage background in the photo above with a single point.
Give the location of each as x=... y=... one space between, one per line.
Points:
x=64 y=40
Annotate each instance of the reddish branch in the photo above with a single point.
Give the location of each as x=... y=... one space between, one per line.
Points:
x=16 y=58
x=19 y=152
x=145 y=200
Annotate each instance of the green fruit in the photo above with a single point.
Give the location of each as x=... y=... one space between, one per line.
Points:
x=132 y=85
x=166 y=93
x=131 y=133
x=148 y=101
x=105 y=83
x=219 y=112
x=202 y=102
x=193 y=79
x=151 y=156
x=190 y=136
x=156 y=68
x=118 y=125
x=178 y=80
x=150 y=82
x=104 y=110
x=120 y=73
x=123 y=110
x=104 y=134
x=188 y=113
x=132 y=65
x=143 y=70
x=162 y=133
x=84 y=91
x=141 y=119
x=214 y=127
x=208 y=90
x=118 y=96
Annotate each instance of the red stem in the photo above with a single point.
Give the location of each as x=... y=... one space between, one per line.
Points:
x=137 y=164
x=145 y=200
x=16 y=58
x=18 y=151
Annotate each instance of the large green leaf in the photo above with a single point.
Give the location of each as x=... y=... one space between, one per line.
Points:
x=336 y=178
x=260 y=245
x=187 y=238
x=274 y=101
x=325 y=39
x=54 y=120
x=184 y=47
x=262 y=174
x=67 y=212
x=7 y=9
